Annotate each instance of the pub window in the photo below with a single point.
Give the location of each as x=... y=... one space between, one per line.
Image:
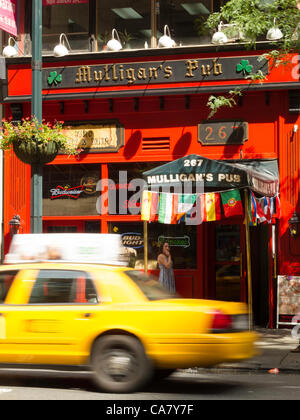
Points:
x=131 y=18
x=70 y=190
x=186 y=19
x=125 y=187
x=182 y=239
x=72 y=20
x=88 y=25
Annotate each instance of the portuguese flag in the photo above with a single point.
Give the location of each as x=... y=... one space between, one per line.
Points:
x=232 y=203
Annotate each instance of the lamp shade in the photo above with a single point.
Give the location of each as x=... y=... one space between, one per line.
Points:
x=274 y=33
x=114 y=44
x=61 y=50
x=10 y=50
x=166 y=41
x=219 y=37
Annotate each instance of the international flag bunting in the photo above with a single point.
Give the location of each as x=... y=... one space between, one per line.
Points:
x=166 y=213
x=150 y=201
x=184 y=205
x=252 y=212
x=262 y=210
x=211 y=207
x=232 y=203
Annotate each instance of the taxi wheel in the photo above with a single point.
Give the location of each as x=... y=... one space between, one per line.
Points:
x=120 y=364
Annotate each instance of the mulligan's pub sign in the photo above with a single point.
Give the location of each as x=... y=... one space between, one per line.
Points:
x=138 y=73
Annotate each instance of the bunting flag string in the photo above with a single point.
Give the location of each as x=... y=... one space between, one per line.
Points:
x=173 y=208
x=264 y=209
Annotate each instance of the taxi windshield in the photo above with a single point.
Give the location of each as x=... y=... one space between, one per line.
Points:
x=150 y=286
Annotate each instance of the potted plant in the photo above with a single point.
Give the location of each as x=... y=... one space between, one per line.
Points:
x=126 y=37
x=34 y=141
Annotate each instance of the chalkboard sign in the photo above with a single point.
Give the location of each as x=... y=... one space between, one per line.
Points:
x=222 y=132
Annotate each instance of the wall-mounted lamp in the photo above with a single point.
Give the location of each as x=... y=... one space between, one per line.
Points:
x=10 y=49
x=274 y=33
x=219 y=37
x=61 y=50
x=115 y=43
x=166 y=41
x=294 y=225
x=14 y=225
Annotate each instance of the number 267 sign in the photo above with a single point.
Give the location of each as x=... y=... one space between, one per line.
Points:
x=222 y=132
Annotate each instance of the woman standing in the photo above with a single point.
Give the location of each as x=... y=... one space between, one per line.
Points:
x=166 y=273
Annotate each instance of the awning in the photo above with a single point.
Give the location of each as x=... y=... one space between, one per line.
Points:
x=261 y=176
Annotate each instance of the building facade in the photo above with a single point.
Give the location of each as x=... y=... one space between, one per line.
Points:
x=137 y=108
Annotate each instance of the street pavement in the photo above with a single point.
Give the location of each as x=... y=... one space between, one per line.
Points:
x=275 y=353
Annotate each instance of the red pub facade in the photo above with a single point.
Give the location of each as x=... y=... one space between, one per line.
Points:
x=135 y=109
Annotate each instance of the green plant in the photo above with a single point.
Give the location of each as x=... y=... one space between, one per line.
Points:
x=216 y=102
x=255 y=17
x=126 y=37
x=31 y=130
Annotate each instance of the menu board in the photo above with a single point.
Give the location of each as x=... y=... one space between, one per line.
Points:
x=288 y=299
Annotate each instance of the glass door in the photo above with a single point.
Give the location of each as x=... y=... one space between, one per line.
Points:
x=227 y=262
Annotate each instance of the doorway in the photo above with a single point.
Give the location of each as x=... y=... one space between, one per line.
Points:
x=71 y=226
x=225 y=261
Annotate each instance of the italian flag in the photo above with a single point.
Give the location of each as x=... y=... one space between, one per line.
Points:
x=150 y=200
x=211 y=207
x=232 y=203
x=168 y=206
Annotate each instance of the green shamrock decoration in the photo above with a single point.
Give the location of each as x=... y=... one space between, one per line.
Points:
x=244 y=67
x=54 y=78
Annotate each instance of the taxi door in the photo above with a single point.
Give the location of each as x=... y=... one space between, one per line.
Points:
x=46 y=317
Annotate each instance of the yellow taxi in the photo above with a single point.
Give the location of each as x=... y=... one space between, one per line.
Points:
x=114 y=319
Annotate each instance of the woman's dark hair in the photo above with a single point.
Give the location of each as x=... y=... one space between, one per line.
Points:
x=161 y=247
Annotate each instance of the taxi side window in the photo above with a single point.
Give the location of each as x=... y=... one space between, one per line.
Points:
x=63 y=286
x=6 y=280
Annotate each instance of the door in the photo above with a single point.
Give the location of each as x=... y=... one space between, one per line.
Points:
x=71 y=226
x=226 y=259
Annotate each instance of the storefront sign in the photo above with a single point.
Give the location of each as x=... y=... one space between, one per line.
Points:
x=67 y=191
x=103 y=137
x=181 y=241
x=222 y=132
x=167 y=71
x=132 y=240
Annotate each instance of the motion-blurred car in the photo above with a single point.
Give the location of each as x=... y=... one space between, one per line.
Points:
x=114 y=319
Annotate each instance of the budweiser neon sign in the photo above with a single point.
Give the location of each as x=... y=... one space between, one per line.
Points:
x=71 y=192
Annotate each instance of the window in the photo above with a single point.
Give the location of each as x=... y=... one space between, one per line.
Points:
x=6 y=280
x=186 y=19
x=182 y=239
x=131 y=18
x=61 y=287
x=89 y=24
x=72 y=20
x=125 y=190
x=70 y=190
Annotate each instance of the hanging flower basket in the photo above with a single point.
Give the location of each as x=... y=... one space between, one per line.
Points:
x=34 y=142
x=35 y=152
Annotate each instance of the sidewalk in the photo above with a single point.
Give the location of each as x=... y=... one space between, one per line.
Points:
x=275 y=352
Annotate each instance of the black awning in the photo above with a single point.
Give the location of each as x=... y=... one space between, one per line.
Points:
x=262 y=176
